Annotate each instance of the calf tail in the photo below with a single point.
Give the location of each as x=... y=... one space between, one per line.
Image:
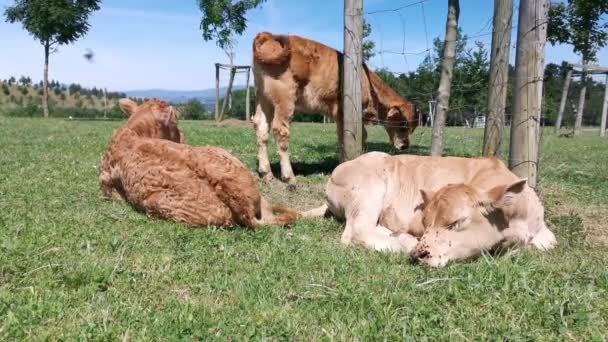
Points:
x=271 y=49
x=276 y=216
x=321 y=211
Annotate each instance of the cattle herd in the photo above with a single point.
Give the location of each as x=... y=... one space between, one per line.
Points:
x=435 y=209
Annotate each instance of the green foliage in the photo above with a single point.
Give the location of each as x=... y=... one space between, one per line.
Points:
x=581 y=23
x=238 y=103
x=222 y=19
x=5 y=89
x=25 y=81
x=53 y=21
x=469 y=83
x=193 y=110
x=368 y=44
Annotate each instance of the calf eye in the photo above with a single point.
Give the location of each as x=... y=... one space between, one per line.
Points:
x=456 y=224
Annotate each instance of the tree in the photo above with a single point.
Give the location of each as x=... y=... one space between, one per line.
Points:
x=222 y=19
x=25 y=81
x=11 y=80
x=193 y=110
x=368 y=45
x=447 y=71
x=579 y=23
x=52 y=23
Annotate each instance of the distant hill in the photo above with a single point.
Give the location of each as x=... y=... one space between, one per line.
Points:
x=206 y=96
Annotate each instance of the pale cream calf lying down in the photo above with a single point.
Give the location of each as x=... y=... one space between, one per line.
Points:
x=437 y=209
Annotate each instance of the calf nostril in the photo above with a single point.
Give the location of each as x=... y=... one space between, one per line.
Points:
x=420 y=254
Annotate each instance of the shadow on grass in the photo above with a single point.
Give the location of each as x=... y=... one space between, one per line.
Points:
x=328 y=164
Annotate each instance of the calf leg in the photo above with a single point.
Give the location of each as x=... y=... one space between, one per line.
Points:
x=362 y=227
x=280 y=130
x=260 y=123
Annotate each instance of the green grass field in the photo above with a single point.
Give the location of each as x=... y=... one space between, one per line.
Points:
x=74 y=266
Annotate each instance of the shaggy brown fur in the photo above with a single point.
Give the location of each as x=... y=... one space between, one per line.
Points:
x=147 y=166
x=295 y=73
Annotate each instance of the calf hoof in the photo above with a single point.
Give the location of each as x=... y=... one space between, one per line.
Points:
x=291 y=184
x=267 y=177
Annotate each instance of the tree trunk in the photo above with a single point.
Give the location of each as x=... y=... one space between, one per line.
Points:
x=578 y=123
x=247 y=104
x=529 y=69
x=562 y=103
x=499 y=77
x=45 y=81
x=351 y=128
x=217 y=91
x=447 y=71
x=604 y=109
x=228 y=94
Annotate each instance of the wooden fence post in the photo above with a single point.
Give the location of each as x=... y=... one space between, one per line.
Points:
x=499 y=77
x=529 y=70
x=351 y=128
x=604 y=110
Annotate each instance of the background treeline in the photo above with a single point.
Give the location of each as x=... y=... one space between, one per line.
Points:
x=470 y=86
x=22 y=97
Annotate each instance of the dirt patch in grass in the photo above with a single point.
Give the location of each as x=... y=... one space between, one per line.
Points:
x=309 y=192
x=232 y=123
x=593 y=217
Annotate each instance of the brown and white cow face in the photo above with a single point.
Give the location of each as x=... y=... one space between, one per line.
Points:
x=400 y=125
x=460 y=221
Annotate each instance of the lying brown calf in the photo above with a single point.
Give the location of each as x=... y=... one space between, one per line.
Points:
x=457 y=207
x=147 y=166
x=292 y=73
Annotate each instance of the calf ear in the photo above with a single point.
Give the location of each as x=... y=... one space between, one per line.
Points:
x=394 y=112
x=128 y=106
x=504 y=195
x=426 y=196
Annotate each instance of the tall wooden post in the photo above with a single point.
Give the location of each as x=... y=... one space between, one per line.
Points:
x=352 y=125
x=578 y=122
x=562 y=102
x=604 y=109
x=231 y=57
x=499 y=77
x=529 y=70
x=105 y=103
x=228 y=93
x=447 y=71
x=247 y=112
x=217 y=91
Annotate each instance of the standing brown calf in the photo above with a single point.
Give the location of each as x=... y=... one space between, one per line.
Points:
x=148 y=166
x=292 y=73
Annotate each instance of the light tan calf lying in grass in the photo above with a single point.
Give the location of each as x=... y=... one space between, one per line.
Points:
x=456 y=207
x=147 y=166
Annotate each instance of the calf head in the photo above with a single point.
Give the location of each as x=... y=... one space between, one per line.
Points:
x=401 y=122
x=460 y=221
x=153 y=119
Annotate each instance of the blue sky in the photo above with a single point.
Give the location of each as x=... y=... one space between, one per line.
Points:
x=143 y=44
